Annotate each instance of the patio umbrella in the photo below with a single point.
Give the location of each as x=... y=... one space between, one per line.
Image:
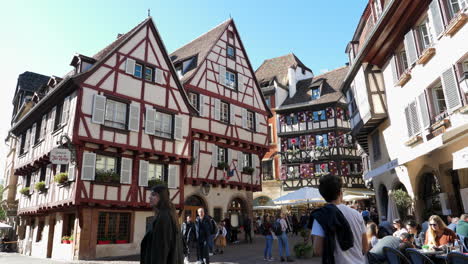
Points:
x=305 y=195
x=4 y=226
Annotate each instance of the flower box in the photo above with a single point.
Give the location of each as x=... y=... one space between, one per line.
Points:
x=121 y=241
x=103 y=242
x=404 y=78
x=25 y=191
x=456 y=23
x=66 y=241
x=61 y=178
x=426 y=55
x=413 y=140
x=248 y=170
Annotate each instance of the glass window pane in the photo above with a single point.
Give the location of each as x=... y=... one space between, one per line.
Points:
x=148 y=74
x=138 y=69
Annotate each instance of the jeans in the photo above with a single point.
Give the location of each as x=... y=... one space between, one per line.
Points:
x=248 y=235
x=268 y=246
x=283 y=245
x=202 y=251
x=211 y=243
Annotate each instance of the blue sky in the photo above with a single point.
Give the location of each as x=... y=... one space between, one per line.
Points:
x=42 y=36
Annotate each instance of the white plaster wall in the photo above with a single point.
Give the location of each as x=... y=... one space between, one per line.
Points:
x=61 y=251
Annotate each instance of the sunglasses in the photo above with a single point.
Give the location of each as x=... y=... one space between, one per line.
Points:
x=433 y=224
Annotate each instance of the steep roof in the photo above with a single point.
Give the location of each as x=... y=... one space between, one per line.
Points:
x=277 y=68
x=199 y=47
x=329 y=83
x=31 y=81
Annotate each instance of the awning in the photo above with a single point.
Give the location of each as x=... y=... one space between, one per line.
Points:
x=384 y=168
x=358 y=191
x=267 y=207
x=460 y=159
x=352 y=197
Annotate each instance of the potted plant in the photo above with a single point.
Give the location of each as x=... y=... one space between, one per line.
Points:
x=402 y=201
x=41 y=186
x=122 y=239
x=65 y=240
x=71 y=239
x=248 y=170
x=61 y=178
x=303 y=249
x=25 y=191
x=103 y=241
x=223 y=166
x=107 y=176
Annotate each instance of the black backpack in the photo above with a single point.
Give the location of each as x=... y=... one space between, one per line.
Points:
x=277 y=228
x=213 y=226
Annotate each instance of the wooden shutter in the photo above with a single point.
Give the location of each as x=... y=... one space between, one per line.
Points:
x=48 y=175
x=173 y=177
x=32 y=183
x=414 y=117
x=240 y=81
x=126 y=171
x=240 y=161
x=229 y=156
x=255 y=164
x=159 y=76
x=436 y=17
x=214 y=155
x=150 y=121
x=195 y=156
x=88 y=168
x=33 y=134
x=244 y=118
x=451 y=92
x=143 y=173
x=65 y=110
x=130 y=66
x=71 y=172
x=222 y=75
x=410 y=47
x=408 y=122
x=134 y=118
x=257 y=121
x=232 y=113
x=178 y=127
x=43 y=126
x=202 y=105
x=27 y=140
x=393 y=65
x=217 y=109
x=99 y=109
x=18 y=147
x=423 y=109
x=52 y=119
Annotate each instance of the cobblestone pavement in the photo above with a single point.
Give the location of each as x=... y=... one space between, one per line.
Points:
x=241 y=253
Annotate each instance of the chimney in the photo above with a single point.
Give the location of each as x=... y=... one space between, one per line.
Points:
x=292 y=81
x=119 y=35
x=347 y=64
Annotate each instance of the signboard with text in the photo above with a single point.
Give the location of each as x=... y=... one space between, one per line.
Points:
x=60 y=156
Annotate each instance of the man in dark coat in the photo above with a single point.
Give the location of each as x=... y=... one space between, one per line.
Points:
x=188 y=233
x=203 y=231
x=248 y=229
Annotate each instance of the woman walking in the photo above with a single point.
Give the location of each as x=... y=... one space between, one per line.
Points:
x=220 y=239
x=162 y=243
x=267 y=232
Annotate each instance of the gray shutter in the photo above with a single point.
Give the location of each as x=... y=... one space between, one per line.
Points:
x=99 y=109
x=33 y=134
x=423 y=109
x=48 y=175
x=222 y=75
x=126 y=171
x=240 y=161
x=88 y=168
x=27 y=140
x=134 y=118
x=130 y=66
x=408 y=122
x=71 y=172
x=217 y=109
x=52 y=119
x=159 y=76
x=66 y=108
x=232 y=112
x=240 y=81
x=18 y=147
x=229 y=156
x=150 y=123
x=451 y=92
x=32 y=187
x=172 y=179
x=214 y=155
x=436 y=17
x=257 y=121
x=414 y=117
x=410 y=47
x=393 y=65
x=195 y=156
x=43 y=127
x=143 y=173
x=202 y=105
x=178 y=127
x=244 y=118
x=255 y=164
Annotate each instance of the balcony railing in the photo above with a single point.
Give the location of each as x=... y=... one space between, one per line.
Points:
x=315 y=153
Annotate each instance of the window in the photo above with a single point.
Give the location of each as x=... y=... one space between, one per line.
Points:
x=63 y=168
x=138 y=70
x=148 y=74
x=402 y=62
x=454 y=7
x=224 y=112
x=424 y=36
x=23 y=143
x=267 y=170
x=163 y=125
x=231 y=52
x=267 y=101
x=116 y=114
x=40 y=229
x=68 y=224
x=157 y=172
x=250 y=120
x=321 y=140
x=37 y=135
x=114 y=226
x=58 y=116
x=42 y=175
x=376 y=146
x=315 y=93
x=179 y=72
x=222 y=155
x=438 y=100
x=28 y=180
x=106 y=163
x=231 y=80
x=43 y=127
x=193 y=97
x=247 y=159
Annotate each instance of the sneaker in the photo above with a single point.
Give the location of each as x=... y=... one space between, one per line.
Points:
x=265 y=259
x=211 y=254
x=282 y=259
x=271 y=259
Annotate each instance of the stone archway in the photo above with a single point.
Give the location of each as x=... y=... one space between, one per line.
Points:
x=383 y=198
x=429 y=193
x=191 y=205
x=237 y=211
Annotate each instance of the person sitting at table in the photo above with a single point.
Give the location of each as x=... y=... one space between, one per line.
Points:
x=407 y=241
x=388 y=241
x=438 y=234
x=415 y=230
x=462 y=225
x=400 y=229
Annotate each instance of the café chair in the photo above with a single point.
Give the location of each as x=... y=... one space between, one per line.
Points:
x=457 y=258
x=463 y=240
x=372 y=258
x=417 y=257
x=394 y=256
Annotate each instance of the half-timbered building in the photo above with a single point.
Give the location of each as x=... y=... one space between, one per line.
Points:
x=230 y=134
x=125 y=119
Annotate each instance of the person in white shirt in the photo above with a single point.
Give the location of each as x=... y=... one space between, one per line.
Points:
x=400 y=229
x=348 y=223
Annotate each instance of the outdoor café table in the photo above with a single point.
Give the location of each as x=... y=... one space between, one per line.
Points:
x=434 y=255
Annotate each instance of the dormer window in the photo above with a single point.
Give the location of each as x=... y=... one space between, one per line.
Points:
x=315 y=93
x=231 y=52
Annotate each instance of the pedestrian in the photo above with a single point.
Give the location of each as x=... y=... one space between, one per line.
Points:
x=203 y=232
x=227 y=222
x=258 y=223
x=248 y=229
x=339 y=233
x=372 y=231
x=366 y=215
x=295 y=224
x=415 y=230
x=212 y=235
x=283 y=242
x=462 y=225
x=220 y=238
x=267 y=231
x=162 y=244
x=188 y=233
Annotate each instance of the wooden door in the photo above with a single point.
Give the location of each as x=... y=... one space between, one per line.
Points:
x=190 y=211
x=50 y=240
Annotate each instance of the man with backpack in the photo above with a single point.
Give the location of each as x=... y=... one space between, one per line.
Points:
x=279 y=228
x=203 y=227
